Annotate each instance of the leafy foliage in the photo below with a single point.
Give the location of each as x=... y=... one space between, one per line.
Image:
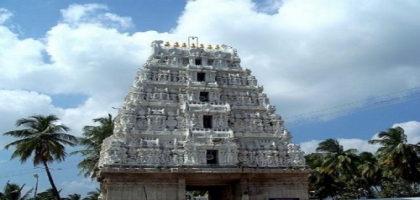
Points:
x=92 y=141
x=12 y=191
x=394 y=171
x=333 y=170
x=398 y=159
x=93 y=195
x=73 y=197
x=43 y=139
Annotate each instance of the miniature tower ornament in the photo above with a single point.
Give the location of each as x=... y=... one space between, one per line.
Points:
x=196 y=107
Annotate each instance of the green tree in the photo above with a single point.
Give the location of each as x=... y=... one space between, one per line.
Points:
x=398 y=160
x=324 y=185
x=48 y=194
x=73 y=197
x=371 y=178
x=42 y=139
x=12 y=191
x=92 y=141
x=338 y=161
x=93 y=195
x=334 y=170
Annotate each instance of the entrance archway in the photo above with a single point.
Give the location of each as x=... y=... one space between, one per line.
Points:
x=214 y=192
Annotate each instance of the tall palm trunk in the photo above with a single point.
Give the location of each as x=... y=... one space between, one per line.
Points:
x=54 y=188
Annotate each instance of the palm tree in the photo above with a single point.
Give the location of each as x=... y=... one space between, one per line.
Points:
x=93 y=195
x=48 y=194
x=370 y=173
x=73 y=197
x=338 y=160
x=335 y=166
x=324 y=185
x=42 y=139
x=398 y=159
x=13 y=191
x=92 y=142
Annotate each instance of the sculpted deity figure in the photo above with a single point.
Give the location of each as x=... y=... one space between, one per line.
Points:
x=175 y=143
x=234 y=156
x=187 y=157
x=156 y=47
x=165 y=158
x=244 y=157
x=181 y=160
x=222 y=121
x=141 y=123
x=194 y=157
x=260 y=158
x=175 y=159
x=222 y=157
x=229 y=156
x=252 y=158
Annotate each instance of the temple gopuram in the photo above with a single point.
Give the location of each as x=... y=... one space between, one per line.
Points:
x=196 y=121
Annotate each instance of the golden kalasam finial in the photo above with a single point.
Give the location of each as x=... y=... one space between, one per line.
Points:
x=184 y=45
x=193 y=46
x=217 y=47
x=167 y=44
x=209 y=47
x=176 y=44
x=201 y=46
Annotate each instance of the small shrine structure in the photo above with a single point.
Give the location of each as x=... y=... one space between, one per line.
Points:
x=195 y=120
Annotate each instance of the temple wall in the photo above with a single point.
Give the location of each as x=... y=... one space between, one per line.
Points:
x=156 y=190
x=259 y=185
x=258 y=191
x=240 y=191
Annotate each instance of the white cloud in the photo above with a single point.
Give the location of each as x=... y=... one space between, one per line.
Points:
x=75 y=15
x=315 y=54
x=308 y=55
x=309 y=146
x=91 y=58
x=4 y=15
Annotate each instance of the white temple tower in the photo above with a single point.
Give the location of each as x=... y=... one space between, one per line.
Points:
x=195 y=119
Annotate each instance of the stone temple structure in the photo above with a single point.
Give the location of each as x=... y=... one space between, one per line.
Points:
x=195 y=120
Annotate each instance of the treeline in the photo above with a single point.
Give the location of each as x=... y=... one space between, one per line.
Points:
x=12 y=191
x=393 y=171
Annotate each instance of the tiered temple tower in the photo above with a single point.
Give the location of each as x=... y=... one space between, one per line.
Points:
x=196 y=120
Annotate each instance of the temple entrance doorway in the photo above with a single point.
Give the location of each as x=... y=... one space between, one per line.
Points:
x=213 y=192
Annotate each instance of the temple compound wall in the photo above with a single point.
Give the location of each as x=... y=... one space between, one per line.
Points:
x=195 y=120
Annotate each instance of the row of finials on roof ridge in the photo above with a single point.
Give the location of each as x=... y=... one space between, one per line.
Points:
x=193 y=46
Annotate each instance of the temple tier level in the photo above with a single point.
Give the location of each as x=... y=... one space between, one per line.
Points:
x=195 y=119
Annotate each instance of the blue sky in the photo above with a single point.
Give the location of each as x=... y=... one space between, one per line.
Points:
x=333 y=69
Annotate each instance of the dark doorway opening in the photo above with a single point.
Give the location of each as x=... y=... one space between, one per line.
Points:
x=198 y=61
x=211 y=157
x=207 y=121
x=201 y=76
x=204 y=96
x=213 y=192
x=210 y=62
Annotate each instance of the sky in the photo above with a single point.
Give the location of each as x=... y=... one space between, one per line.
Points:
x=334 y=69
